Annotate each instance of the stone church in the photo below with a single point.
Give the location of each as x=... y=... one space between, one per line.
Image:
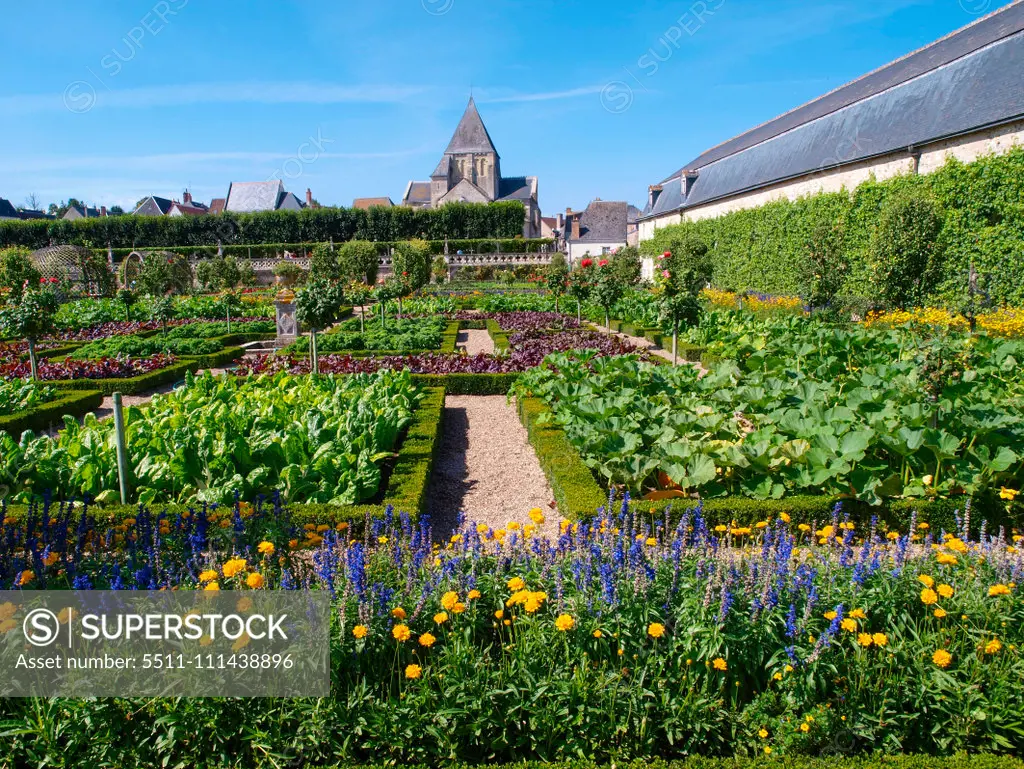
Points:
x=470 y=172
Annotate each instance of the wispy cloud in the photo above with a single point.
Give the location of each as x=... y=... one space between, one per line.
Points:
x=589 y=90
x=214 y=93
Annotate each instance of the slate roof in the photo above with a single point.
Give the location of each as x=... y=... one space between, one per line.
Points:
x=515 y=188
x=964 y=82
x=246 y=197
x=443 y=167
x=289 y=201
x=190 y=210
x=471 y=134
x=417 y=192
x=91 y=213
x=153 y=206
x=8 y=211
x=365 y=203
x=29 y=213
x=604 y=221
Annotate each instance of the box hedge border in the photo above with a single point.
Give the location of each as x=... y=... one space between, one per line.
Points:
x=132 y=385
x=878 y=761
x=579 y=495
x=41 y=417
x=406 y=490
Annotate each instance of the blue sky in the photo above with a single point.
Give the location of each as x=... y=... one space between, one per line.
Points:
x=113 y=101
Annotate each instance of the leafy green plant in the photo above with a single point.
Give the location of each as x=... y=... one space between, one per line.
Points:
x=17 y=271
x=905 y=254
x=139 y=347
x=317 y=307
x=30 y=318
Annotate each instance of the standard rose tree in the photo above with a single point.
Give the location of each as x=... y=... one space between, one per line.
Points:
x=31 y=319
x=318 y=306
x=679 y=278
x=607 y=289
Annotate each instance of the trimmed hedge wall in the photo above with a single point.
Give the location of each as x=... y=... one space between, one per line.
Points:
x=217 y=359
x=765 y=249
x=132 y=385
x=579 y=494
x=468 y=384
x=881 y=761
x=311 y=225
x=57 y=352
x=498 y=336
x=44 y=415
x=406 y=489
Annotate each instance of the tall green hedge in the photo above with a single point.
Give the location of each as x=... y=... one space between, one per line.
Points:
x=311 y=225
x=982 y=203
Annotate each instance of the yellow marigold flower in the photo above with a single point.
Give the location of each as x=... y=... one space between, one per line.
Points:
x=597 y=633
x=233 y=567
x=254 y=580
x=513 y=526
x=212 y=586
x=923 y=526
x=516 y=584
x=472 y=595
x=939 y=613
x=830 y=615
x=805 y=727
x=865 y=639
x=880 y=639
x=997 y=590
x=929 y=597
x=858 y=614
x=788 y=668
x=655 y=630
x=785 y=518
x=1008 y=494
x=413 y=672
x=449 y=599
x=767 y=750
x=651 y=542
x=946 y=559
x=719 y=664
x=565 y=622
x=208 y=576
x=499 y=614
x=925 y=580
x=360 y=631
x=777 y=676
x=763 y=734
x=537 y=516
x=946 y=591
x=849 y=625
x=993 y=646
x=265 y=548
x=293 y=544
x=442 y=616
x=398 y=613
x=241 y=643
x=942 y=658
x=427 y=640
x=892 y=535
x=26 y=576
x=401 y=633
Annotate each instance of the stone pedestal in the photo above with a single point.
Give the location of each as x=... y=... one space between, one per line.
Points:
x=287 y=325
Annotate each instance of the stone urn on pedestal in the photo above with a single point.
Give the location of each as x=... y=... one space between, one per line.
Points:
x=287 y=325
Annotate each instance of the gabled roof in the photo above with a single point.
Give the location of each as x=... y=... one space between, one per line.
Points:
x=188 y=210
x=604 y=221
x=471 y=135
x=246 y=197
x=8 y=211
x=965 y=82
x=217 y=205
x=515 y=188
x=289 y=201
x=443 y=167
x=153 y=206
x=365 y=203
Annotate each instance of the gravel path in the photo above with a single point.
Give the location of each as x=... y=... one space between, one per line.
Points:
x=475 y=341
x=486 y=468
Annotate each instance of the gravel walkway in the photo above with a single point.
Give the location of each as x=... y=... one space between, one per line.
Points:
x=486 y=468
x=637 y=341
x=475 y=341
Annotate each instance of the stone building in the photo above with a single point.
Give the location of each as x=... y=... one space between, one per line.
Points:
x=958 y=97
x=470 y=172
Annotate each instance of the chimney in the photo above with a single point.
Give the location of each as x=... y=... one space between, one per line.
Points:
x=576 y=227
x=186 y=198
x=560 y=221
x=103 y=210
x=309 y=198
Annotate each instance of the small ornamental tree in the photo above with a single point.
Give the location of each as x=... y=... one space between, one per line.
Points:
x=581 y=283
x=905 y=255
x=412 y=260
x=232 y=304
x=440 y=270
x=127 y=297
x=557 y=277
x=162 y=274
x=358 y=260
x=392 y=288
x=359 y=294
x=318 y=306
x=17 y=271
x=162 y=311
x=607 y=290
x=323 y=263
x=31 y=319
x=680 y=276
x=627 y=265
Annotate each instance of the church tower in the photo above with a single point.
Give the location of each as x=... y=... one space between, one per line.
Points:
x=470 y=157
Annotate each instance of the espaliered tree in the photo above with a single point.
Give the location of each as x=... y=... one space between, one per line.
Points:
x=318 y=306
x=31 y=318
x=556 y=277
x=680 y=276
x=581 y=283
x=607 y=289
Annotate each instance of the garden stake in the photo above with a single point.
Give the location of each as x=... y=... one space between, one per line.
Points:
x=122 y=452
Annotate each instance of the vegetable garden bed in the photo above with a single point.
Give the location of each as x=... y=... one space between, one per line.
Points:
x=42 y=415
